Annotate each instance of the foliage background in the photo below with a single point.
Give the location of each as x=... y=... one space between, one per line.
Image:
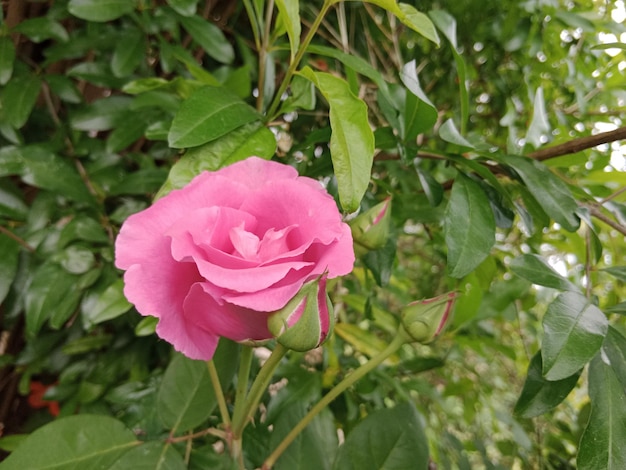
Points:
x=92 y=125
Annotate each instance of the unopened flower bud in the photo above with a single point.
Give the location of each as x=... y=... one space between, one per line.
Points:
x=425 y=319
x=370 y=230
x=307 y=319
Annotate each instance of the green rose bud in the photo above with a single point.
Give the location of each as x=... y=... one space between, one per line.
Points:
x=425 y=319
x=307 y=319
x=370 y=230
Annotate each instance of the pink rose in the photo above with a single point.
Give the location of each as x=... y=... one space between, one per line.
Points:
x=216 y=257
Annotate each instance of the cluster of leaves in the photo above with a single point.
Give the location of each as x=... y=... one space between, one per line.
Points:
x=443 y=112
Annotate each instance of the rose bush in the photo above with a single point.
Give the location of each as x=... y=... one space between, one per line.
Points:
x=218 y=256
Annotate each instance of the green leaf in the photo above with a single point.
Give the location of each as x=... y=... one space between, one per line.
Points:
x=18 y=99
x=536 y=270
x=128 y=54
x=42 y=28
x=614 y=348
x=419 y=113
x=574 y=330
x=100 y=10
x=351 y=140
x=124 y=135
x=12 y=205
x=184 y=7
x=417 y=21
x=73 y=443
x=252 y=139
x=7 y=57
x=52 y=294
x=209 y=113
x=9 y=256
x=603 y=443
x=186 y=397
x=302 y=96
x=550 y=192
x=146 y=327
x=386 y=439
x=617 y=271
x=539 y=128
x=470 y=228
x=82 y=228
x=152 y=455
x=210 y=38
x=540 y=395
x=46 y=170
x=103 y=302
x=290 y=14
x=101 y=115
x=449 y=133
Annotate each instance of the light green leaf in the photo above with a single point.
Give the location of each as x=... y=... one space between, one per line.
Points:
x=18 y=99
x=252 y=139
x=548 y=190
x=537 y=271
x=603 y=444
x=103 y=302
x=7 y=57
x=539 y=128
x=469 y=226
x=540 y=395
x=209 y=113
x=618 y=271
x=186 y=397
x=449 y=133
x=151 y=455
x=614 y=348
x=146 y=327
x=210 y=38
x=100 y=10
x=184 y=7
x=574 y=330
x=351 y=140
x=419 y=113
x=73 y=443
x=417 y=21
x=386 y=439
x=9 y=252
x=290 y=14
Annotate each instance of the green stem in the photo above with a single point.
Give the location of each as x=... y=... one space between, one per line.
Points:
x=297 y=58
x=219 y=393
x=337 y=390
x=242 y=382
x=259 y=386
x=265 y=45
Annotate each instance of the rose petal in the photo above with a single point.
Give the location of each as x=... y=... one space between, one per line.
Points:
x=254 y=172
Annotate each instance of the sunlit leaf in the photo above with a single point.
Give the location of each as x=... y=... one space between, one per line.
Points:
x=537 y=271
x=290 y=15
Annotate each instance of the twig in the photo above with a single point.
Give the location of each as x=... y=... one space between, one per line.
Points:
x=19 y=240
x=579 y=144
x=594 y=211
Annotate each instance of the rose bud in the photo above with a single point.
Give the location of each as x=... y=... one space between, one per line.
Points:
x=307 y=319
x=370 y=230
x=424 y=319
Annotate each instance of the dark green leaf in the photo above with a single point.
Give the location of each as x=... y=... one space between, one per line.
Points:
x=75 y=259
x=9 y=252
x=82 y=228
x=537 y=271
x=574 y=330
x=132 y=130
x=42 y=28
x=380 y=262
x=140 y=182
x=419 y=113
x=64 y=88
x=352 y=139
x=540 y=395
x=73 y=443
x=101 y=115
x=103 y=302
x=186 y=397
x=302 y=95
x=210 y=38
x=18 y=99
x=209 y=113
x=469 y=226
x=386 y=439
x=52 y=294
x=12 y=205
x=7 y=57
x=603 y=444
x=100 y=10
x=152 y=455
x=250 y=139
x=550 y=192
x=184 y=7
x=87 y=344
x=128 y=54
x=617 y=271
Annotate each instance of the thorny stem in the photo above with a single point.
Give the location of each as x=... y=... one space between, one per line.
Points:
x=337 y=390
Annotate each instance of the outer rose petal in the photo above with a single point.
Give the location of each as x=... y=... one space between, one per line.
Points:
x=254 y=172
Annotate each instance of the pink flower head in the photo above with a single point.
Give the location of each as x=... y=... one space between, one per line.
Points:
x=218 y=256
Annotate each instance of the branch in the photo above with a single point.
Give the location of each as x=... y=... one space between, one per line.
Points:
x=577 y=145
